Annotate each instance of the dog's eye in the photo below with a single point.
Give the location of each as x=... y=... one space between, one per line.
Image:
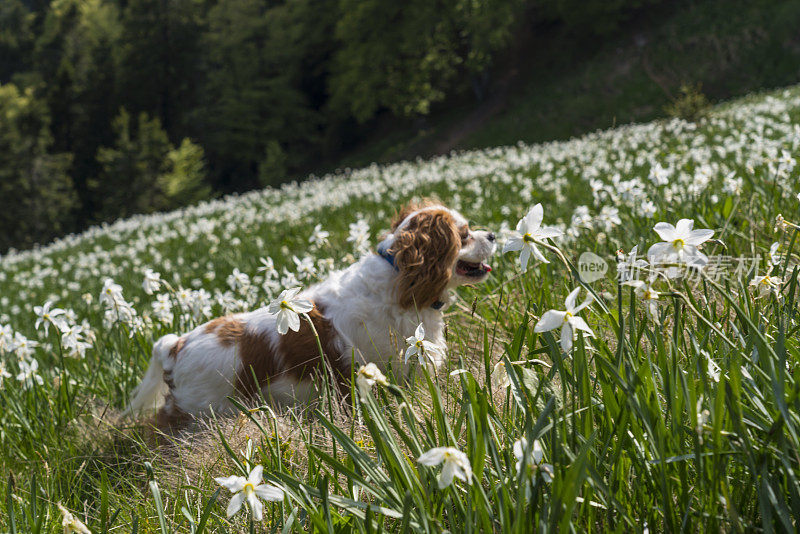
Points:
x=464 y=233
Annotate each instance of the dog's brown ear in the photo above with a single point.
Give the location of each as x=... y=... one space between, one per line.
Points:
x=425 y=250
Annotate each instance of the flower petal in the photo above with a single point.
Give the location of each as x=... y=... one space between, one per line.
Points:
x=566 y=337
x=236 y=504
x=256 y=507
x=446 y=476
x=533 y=220
x=513 y=244
x=538 y=254
x=255 y=475
x=579 y=324
x=282 y=321
x=302 y=305
x=684 y=228
x=662 y=252
x=524 y=256
x=268 y=492
x=551 y=320
x=548 y=232
x=432 y=457
x=293 y=320
x=665 y=231
x=233 y=482
x=699 y=236
x=569 y=302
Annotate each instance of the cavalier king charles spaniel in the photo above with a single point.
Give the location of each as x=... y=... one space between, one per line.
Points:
x=359 y=315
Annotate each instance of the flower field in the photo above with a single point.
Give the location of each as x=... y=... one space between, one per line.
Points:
x=658 y=395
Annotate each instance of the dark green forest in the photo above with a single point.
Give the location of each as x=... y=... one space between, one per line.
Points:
x=114 y=107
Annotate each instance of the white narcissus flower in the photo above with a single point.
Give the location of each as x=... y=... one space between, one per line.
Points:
x=644 y=290
x=71 y=523
x=529 y=230
x=420 y=347
x=47 y=316
x=73 y=342
x=250 y=489
x=773 y=258
x=456 y=464
x=534 y=458
x=151 y=282
x=319 y=236
x=267 y=265
x=500 y=378
x=567 y=320
x=629 y=267
x=288 y=307
x=680 y=243
x=369 y=375
x=111 y=294
x=29 y=373
x=767 y=284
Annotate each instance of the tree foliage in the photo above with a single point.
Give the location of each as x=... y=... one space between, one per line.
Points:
x=146 y=104
x=36 y=194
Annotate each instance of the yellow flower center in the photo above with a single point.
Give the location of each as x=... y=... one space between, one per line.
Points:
x=249 y=488
x=528 y=238
x=567 y=316
x=419 y=344
x=766 y=281
x=679 y=244
x=285 y=305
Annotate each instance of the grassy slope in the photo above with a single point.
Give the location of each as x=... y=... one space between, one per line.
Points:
x=620 y=418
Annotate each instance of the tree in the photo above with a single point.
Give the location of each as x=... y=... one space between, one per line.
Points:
x=16 y=39
x=73 y=63
x=158 y=59
x=184 y=180
x=143 y=172
x=253 y=105
x=36 y=194
x=404 y=56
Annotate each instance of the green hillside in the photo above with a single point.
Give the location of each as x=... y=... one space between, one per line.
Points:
x=679 y=411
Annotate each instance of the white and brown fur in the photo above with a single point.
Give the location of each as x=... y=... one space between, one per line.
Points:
x=361 y=314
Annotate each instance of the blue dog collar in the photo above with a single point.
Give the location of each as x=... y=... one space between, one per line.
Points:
x=383 y=252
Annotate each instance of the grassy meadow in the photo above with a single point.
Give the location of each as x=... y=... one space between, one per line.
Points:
x=678 y=411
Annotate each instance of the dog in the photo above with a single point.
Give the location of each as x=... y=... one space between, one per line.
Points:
x=359 y=314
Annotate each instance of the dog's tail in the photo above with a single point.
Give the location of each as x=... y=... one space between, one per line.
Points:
x=149 y=395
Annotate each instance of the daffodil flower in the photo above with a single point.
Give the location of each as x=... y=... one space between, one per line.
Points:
x=567 y=320
x=71 y=523
x=47 y=316
x=456 y=464
x=645 y=292
x=767 y=284
x=420 y=347
x=250 y=489
x=500 y=378
x=151 y=282
x=680 y=243
x=535 y=457
x=529 y=231
x=287 y=307
x=367 y=376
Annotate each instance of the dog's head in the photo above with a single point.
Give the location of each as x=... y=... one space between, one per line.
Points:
x=433 y=249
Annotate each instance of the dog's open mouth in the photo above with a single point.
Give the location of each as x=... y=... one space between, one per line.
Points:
x=472 y=269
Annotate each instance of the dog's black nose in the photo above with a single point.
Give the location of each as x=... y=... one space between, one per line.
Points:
x=490 y=236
